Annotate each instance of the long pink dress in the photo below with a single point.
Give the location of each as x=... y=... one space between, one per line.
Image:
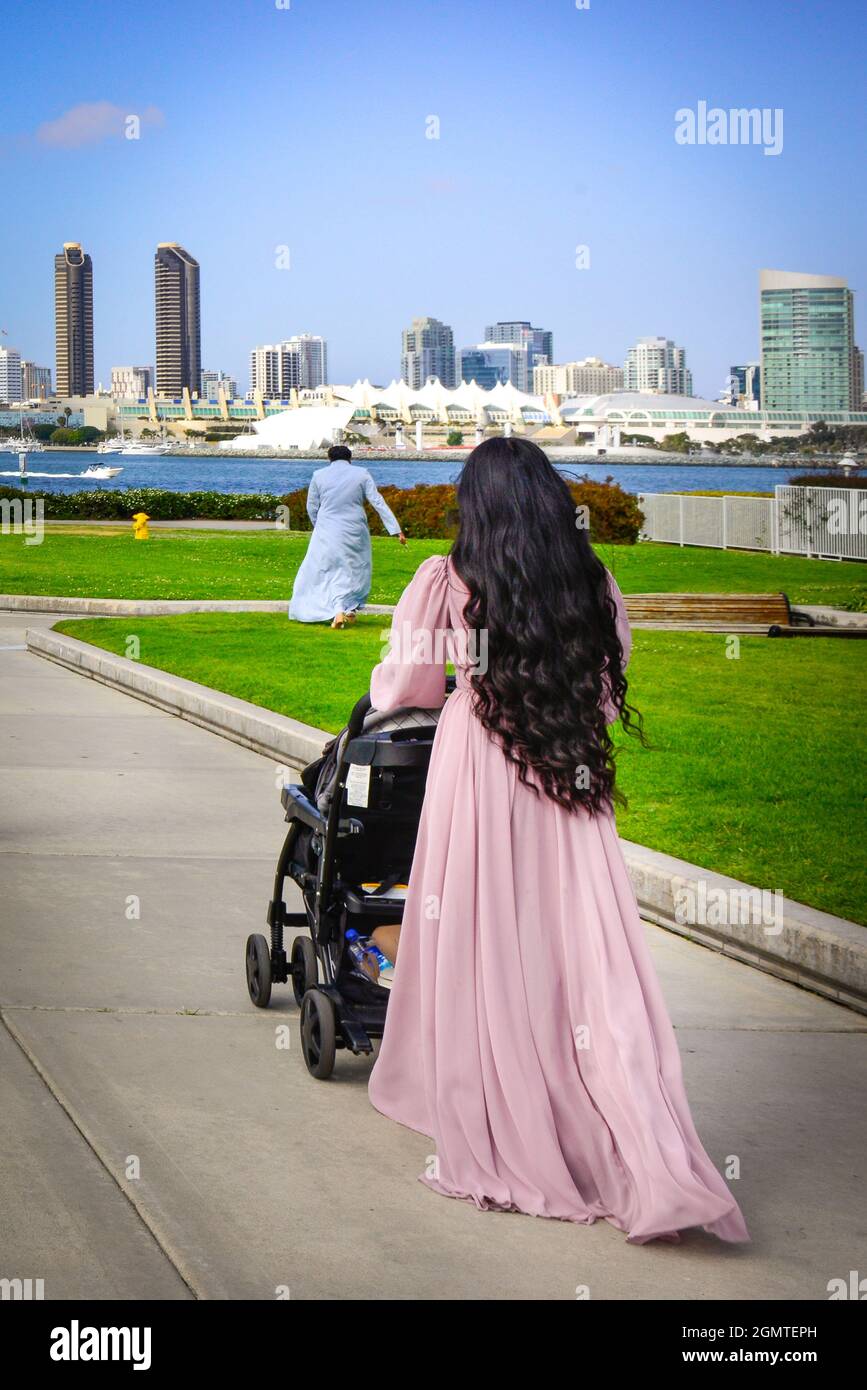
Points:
x=526 y=1033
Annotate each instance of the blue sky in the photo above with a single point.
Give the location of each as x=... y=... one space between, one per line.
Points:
x=306 y=127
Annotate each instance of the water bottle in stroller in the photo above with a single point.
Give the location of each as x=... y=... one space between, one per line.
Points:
x=369 y=960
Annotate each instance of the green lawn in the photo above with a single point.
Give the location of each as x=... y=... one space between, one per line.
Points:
x=262 y=564
x=757 y=764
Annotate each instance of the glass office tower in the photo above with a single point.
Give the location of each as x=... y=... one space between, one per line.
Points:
x=807 y=338
x=427 y=349
x=539 y=343
x=492 y=364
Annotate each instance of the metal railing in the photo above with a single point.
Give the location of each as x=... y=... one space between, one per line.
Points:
x=826 y=522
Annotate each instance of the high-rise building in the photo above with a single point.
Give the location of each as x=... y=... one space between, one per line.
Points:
x=539 y=343
x=275 y=370
x=11 y=385
x=35 y=382
x=591 y=377
x=858 y=379
x=745 y=386
x=131 y=382
x=313 y=359
x=73 y=321
x=488 y=364
x=807 y=341
x=657 y=365
x=299 y=363
x=178 y=320
x=427 y=349
x=214 y=382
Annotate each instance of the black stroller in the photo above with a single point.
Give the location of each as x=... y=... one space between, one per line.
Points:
x=352 y=829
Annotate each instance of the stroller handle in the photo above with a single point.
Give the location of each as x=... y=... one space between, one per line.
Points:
x=359 y=713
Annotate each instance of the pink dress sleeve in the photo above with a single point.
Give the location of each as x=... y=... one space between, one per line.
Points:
x=414 y=671
x=624 y=632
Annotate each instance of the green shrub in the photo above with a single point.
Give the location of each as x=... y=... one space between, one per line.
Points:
x=829 y=480
x=119 y=505
x=615 y=516
x=85 y=434
x=428 y=511
x=676 y=443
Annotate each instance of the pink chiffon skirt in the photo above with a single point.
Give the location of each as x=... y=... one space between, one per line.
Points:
x=527 y=1034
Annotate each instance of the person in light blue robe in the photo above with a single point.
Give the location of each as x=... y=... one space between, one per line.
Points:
x=335 y=575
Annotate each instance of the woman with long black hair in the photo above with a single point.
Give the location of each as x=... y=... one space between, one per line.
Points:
x=526 y=1030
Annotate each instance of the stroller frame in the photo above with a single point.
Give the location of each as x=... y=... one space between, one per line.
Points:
x=339 y=1010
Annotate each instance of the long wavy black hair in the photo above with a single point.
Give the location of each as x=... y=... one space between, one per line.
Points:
x=540 y=594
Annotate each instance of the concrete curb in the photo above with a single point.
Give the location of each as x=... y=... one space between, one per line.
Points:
x=164 y=608
x=276 y=735
x=814 y=949
x=831 y=617
x=806 y=947
x=149 y=607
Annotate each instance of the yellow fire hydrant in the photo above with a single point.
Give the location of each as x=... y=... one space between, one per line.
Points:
x=140 y=526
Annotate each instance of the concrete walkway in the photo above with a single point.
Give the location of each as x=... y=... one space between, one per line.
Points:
x=157 y=1141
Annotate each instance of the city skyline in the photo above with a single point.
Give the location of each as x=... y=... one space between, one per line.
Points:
x=486 y=360
x=810 y=332
x=414 y=203
x=510 y=350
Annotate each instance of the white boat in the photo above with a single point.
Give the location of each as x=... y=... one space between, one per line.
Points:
x=140 y=449
x=111 y=446
x=24 y=444
x=95 y=471
x=21 y=446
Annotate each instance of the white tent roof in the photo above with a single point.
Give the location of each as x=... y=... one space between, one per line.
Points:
x=434 y=396
x=309 y=427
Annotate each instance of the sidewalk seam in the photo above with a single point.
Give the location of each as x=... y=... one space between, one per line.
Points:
x=173 y=1256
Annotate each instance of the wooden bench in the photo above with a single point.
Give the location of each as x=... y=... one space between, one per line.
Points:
x=710 y=612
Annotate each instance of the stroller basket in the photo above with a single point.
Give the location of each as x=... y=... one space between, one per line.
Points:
x=353 y=821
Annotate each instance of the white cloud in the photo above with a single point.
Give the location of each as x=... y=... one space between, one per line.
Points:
x=91 y=122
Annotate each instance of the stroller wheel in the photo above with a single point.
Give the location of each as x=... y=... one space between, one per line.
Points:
x=258 y=961
x=304 y=967
x=318 y=1033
